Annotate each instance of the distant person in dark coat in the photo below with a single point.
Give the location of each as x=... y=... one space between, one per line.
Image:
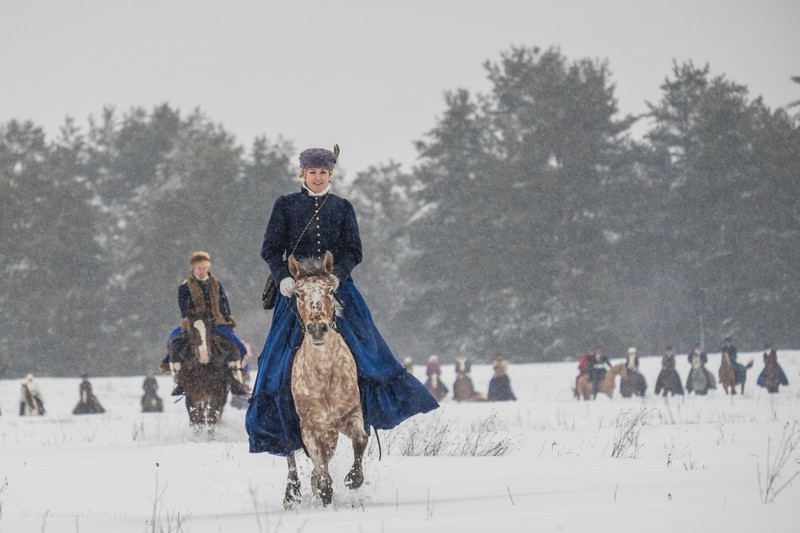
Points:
x=598 y=366
x=88 y=403
x=772 y=376
x=151 y=401
x=434 y=382
x=668 y=381
x=500 y=384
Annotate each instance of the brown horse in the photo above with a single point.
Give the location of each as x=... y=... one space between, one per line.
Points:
x=728 y=375
x=669 y=382
x=324 y=382
x=772 y=376
x=204 y=375
x=586 y=391
x=464 y=390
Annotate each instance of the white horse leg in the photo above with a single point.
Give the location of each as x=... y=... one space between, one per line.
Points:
x=292 y=484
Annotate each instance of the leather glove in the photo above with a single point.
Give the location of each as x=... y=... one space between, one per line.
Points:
x=287 y=287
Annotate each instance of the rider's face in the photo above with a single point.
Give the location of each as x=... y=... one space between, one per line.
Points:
x=317 y=179
x=200 y=270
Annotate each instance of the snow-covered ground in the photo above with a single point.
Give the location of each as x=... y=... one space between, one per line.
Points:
x=692 y=463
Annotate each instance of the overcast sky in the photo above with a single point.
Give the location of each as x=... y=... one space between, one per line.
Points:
x=370 y=75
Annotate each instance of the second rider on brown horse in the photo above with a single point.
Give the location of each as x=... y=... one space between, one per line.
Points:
x=201 y=297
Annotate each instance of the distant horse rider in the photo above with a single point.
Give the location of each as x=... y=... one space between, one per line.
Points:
x=88 y=403
x=598 y=366
x=31 y=402
x=202 y=297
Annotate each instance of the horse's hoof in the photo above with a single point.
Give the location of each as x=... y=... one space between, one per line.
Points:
x=326 y=496
x=292 y=494
x=354 y=479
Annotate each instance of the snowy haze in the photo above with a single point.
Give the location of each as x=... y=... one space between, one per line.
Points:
x=368 y=75
x=694 y=467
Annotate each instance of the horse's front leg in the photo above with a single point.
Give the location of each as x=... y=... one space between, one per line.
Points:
x=292 y=484
x=355 y=478
x=320 y=446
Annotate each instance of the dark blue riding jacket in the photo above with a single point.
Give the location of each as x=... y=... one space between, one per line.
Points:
x=334 y=229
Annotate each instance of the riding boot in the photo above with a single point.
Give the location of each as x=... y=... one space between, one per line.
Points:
x=176 y=368
x=237 y=384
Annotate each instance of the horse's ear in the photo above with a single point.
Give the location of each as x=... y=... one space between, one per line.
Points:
x=327 y=262
x=294 y=268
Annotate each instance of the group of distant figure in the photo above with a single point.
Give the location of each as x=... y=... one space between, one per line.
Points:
x=463 y=387
x=596 y=374
x=31 y=402
x=594 y=371
x=31 y=399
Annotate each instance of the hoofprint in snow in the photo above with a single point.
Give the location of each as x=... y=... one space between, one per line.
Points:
x=546 y=463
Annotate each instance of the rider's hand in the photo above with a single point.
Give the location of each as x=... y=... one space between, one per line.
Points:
x=287 y=287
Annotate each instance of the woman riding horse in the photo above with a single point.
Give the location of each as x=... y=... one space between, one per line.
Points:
x=597 y=368
x=434 y=382
x=306 y=224
x=668 y=381
x=635 y=382
x=772 y=376
x=463 y=388
x=739 y=369
x=88 y=403
x=202 y=298
x=700 y=380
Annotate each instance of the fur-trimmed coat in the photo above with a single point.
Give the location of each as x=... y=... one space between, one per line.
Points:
x=204 y=299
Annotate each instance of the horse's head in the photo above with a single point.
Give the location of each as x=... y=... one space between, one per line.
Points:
x=314 y=287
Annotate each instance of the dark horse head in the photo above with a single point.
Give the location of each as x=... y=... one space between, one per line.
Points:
x=315 y=287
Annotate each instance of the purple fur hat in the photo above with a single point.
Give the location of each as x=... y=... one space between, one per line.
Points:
x=319 y=158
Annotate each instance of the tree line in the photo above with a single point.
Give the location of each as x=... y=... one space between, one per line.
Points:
x=533 y=223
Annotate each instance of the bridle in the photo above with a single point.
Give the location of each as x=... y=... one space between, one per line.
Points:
x=303 y=326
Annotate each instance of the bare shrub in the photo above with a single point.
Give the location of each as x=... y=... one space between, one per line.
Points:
x=775 y=476
x=169 y=522
x=437 y=438
x=626 y=433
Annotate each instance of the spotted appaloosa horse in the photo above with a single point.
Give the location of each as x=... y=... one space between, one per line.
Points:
x=324 y=382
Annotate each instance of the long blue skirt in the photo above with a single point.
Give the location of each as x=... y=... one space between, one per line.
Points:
x=389 y=394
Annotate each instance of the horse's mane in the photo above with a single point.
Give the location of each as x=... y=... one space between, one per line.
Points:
x=311 y=266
